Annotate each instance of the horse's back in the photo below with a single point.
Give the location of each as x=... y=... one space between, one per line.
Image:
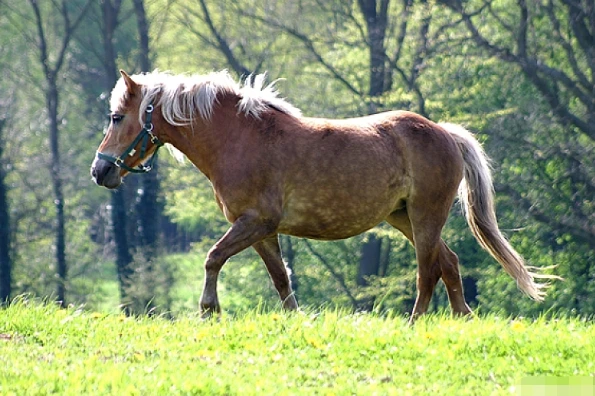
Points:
x=388 y=144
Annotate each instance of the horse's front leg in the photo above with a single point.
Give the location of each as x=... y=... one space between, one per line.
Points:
x=270 y=252
x=244 y=232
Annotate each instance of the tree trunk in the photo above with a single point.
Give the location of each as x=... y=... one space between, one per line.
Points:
x=119 y=212
x=51 y=72
x=119 y=219
x=56 y=172
x=470 y=290
x=5 y=263
x=143 y=34
x=375 y=16
x=369 y=265
x=148 y=209
x=370 y=260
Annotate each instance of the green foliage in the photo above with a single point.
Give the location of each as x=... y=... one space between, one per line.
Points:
x=49 y=350
x=190 y=201
x=149 y=289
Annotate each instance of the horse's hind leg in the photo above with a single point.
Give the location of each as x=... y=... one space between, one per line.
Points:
x=435 y=261
x=269 y=251
x=428 y=274
x=449 y=264
x=425 y=240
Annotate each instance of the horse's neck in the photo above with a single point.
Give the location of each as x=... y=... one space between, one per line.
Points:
x=204 y=142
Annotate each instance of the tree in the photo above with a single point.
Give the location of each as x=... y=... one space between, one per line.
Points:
x=201 y=23
x=119 y=210
x=542 y=55
x=563 y=72
x=149 y=210
x=5 y=259
x=51 y=70
x=5 y=245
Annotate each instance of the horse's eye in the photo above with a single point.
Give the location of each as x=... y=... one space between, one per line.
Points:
x=116 y=118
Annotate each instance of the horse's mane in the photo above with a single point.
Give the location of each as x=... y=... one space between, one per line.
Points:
x=181 y=96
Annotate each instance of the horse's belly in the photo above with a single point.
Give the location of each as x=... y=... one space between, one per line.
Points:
x=337 y=220
x=344 y=197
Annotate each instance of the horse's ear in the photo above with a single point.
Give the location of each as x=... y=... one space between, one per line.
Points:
x=131 y=86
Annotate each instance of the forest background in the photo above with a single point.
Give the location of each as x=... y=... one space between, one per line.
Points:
x=519 y=73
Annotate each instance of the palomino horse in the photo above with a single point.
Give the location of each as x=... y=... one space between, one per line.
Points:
x=276 y=172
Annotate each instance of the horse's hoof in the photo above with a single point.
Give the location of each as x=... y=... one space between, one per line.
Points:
x=207 y=312
x=466 y=316
x=413 y=318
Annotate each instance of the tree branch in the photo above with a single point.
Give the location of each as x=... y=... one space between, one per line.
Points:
x=523 y=24
x=585 y=232
x=581 y=31
x=421 y=50
x=532 y=68
x=309 y=44
x=403 y=18
x=43 y=52
x=223 y=46
x=183 y=18
x=582 y=78
x=68 y=31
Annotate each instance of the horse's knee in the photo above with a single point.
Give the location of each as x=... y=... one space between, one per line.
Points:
x=214 y=261
x=449 y=265
x=430 y=273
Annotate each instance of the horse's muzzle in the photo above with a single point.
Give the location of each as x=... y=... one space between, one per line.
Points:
x=105 y=174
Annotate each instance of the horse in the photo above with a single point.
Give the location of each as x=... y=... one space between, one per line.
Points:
x=274 y=171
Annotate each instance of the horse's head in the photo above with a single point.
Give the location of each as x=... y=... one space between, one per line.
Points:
x=129 y=143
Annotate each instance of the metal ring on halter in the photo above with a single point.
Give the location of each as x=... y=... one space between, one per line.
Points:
x=149 y=108
x=149 y=127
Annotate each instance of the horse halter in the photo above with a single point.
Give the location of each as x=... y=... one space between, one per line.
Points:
x=143 y=136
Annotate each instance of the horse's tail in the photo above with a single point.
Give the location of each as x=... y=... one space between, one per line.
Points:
x=476 y=193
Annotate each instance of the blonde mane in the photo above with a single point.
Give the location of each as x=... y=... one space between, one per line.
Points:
x=183 y=96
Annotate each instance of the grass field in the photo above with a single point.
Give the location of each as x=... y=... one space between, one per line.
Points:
x=46 y=350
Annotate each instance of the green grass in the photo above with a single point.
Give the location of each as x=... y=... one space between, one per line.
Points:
x=46 y=350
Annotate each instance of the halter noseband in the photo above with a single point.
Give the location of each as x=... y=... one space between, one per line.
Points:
x=144 y=136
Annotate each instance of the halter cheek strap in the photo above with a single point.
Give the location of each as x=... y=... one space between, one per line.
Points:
x=143 y=137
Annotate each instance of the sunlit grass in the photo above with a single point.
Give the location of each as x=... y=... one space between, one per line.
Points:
x=44 y=350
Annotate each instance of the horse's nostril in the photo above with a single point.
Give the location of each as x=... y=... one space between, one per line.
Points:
x=105 y=174
x=96 y=174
